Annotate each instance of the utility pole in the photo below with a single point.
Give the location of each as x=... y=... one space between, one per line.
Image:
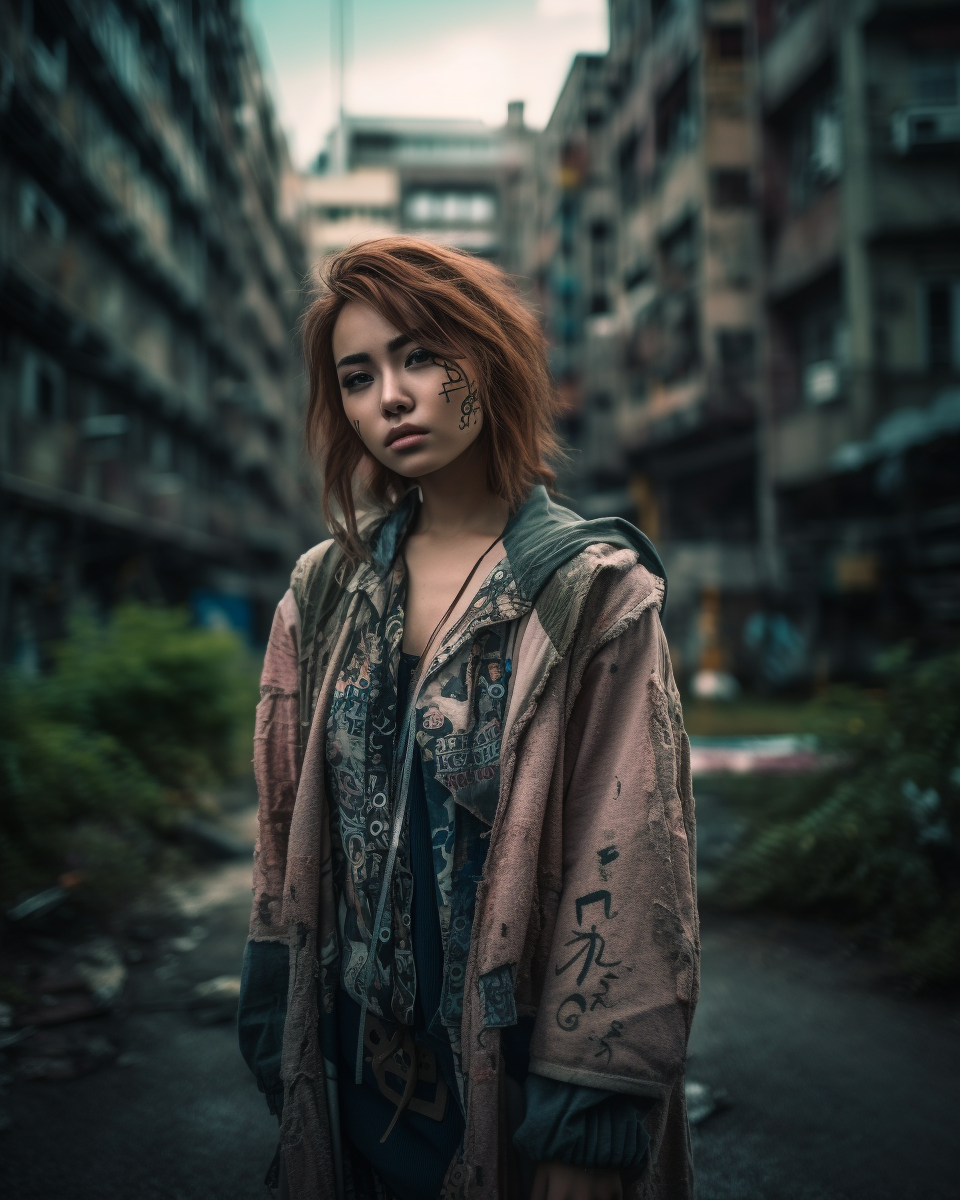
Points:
x=340 y=13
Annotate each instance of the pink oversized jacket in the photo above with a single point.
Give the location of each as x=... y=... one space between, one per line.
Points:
x=590 y=874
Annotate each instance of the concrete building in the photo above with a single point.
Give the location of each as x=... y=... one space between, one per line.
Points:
x=577 y=285
x=149 y=285
x=458 y=182
x=763 y=368
x=860 y=111
x=339 y=210
x=649 y=278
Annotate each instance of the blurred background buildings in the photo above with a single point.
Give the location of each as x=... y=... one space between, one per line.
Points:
x=462 y=183
x=149 y=284
x=741 y=228
x=750 y=220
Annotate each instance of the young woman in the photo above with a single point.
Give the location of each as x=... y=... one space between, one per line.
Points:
x=473 y=957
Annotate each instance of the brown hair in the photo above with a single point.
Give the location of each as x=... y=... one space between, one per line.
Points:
x=458 y=306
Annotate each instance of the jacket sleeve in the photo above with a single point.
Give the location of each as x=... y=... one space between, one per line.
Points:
x=264 y=979
x=581 y=1126
x=622 y=976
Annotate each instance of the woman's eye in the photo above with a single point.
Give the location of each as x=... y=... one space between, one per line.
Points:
x=417 y=357
x=355 y=379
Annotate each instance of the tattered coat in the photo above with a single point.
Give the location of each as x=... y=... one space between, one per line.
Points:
x=586 y=909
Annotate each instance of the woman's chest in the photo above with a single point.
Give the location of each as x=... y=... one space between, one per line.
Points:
x=458 y=720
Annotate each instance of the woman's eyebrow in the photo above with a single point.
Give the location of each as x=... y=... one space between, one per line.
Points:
x=351 y=360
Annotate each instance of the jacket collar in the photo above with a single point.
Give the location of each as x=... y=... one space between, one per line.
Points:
x=372 y=575
x=543 y=536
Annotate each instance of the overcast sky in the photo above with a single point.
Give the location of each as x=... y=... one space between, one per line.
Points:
x=422 y=58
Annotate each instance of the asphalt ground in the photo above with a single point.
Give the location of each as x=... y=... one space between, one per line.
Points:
x=831 y=1084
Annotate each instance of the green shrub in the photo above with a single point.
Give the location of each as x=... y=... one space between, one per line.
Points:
x=100 y=757
x=179 y=698
x=876 y=840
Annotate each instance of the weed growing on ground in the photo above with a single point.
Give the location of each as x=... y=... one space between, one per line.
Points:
x=102 y=755
x=876 y=840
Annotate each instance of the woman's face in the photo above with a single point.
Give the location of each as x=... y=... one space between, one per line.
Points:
x=414 y=411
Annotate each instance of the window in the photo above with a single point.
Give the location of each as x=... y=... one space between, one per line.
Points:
x=117 y=34
x=729 y=42
x=736 y=352
x=942 y=321
x=41 y=388
x=636 y=276
x=568 y=214
x=601 y=246
x=816 y=148
x=161 y=450
x=48 y=47
x=449 y=208
x=371 y=149
x=661 y=11
x=676 y=116
x=822 y=344
x=678 y=252
x=936 y=81
x=785 y=10
x=730 y=187
x=38 y=212
x=628 y=158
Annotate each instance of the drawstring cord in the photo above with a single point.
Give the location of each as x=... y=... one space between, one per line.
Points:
x=406 y=747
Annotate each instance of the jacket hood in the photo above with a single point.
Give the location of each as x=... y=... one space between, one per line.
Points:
x=543 y=535
x=540 y=537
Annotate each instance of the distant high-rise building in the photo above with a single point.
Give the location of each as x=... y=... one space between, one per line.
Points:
x=149 y=283
x=576 y=285
x=747 y=258
x=458 y=182
x=342 y=209
x=859 y=106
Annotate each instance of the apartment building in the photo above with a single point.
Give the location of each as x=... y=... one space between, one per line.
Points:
x=859 y=104
x=342 y=209
x=768 y=376
x=149 y=285
x=576 y=288
x=458 y=182
x=671 y=351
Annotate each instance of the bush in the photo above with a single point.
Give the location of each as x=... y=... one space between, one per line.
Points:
x=877 y=840
x=100 y=757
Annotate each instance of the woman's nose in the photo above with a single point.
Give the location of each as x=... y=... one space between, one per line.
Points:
x=393 y=399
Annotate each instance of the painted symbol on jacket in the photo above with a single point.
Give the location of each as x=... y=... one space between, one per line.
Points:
x=607 y=855
x=570 y=1011
x=600 y=996
x=583 y=902
x=606 y=1050
x=591 y=948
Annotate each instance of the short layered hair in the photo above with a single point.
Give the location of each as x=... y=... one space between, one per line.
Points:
x=456 y=306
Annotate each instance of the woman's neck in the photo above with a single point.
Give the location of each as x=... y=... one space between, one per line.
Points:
x=457 y=500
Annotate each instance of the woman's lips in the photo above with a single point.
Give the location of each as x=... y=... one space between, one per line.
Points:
x=407 y=441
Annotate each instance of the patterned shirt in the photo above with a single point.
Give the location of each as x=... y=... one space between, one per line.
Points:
x=459 y=715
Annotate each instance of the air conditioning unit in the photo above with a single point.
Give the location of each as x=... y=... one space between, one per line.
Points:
x=926 y=126
x=821 y=382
